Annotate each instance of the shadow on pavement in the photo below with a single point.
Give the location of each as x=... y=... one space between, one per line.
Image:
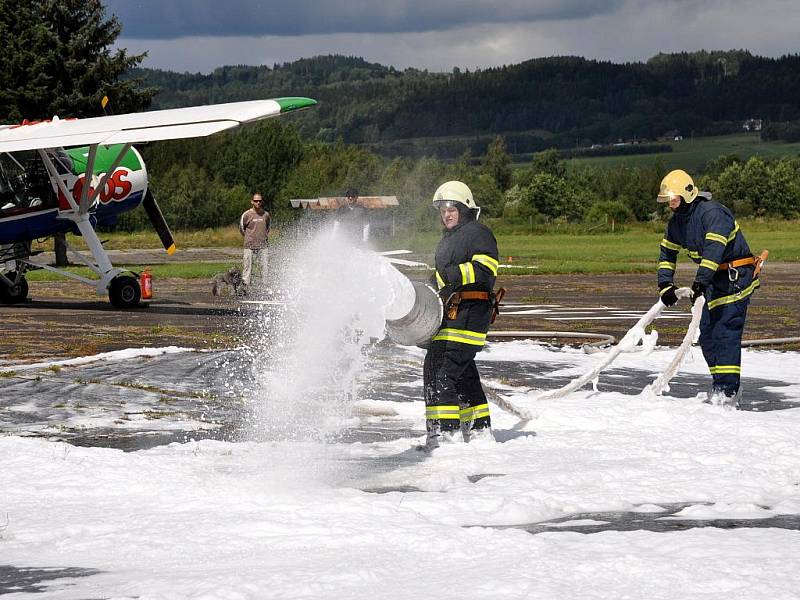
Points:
x=172 y=308
x=659 y=522
x=36 y=580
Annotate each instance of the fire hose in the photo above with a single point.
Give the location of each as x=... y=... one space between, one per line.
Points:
x=419 y=323
x=416 y=314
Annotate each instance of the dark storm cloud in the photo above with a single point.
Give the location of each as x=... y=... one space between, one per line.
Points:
x=169 y=19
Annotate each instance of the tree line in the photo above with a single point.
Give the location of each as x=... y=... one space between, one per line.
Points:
x=538 y=104
x=208 y=182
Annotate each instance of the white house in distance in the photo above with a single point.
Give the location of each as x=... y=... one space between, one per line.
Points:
x=752 y=125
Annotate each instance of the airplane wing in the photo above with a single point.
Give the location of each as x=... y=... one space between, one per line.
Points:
x=195 y=121
x=409 y=263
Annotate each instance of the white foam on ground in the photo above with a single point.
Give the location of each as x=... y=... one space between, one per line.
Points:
x=245 y=520
x=103 y=356
x=285 y=515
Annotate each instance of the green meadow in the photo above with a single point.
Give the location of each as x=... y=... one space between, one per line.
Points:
x=691 y=153
x=634 y=250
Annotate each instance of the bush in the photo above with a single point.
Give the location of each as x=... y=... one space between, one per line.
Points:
x=607 y=211
x=608 y=215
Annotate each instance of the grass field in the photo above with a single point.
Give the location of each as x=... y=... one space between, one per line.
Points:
x=690 y=154
x=633 y=251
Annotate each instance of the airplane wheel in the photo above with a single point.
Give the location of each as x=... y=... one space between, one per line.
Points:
x=16 y=293
x=124 y=291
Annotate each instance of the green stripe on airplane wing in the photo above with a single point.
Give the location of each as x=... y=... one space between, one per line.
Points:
x=294 y=103
x=105 y=156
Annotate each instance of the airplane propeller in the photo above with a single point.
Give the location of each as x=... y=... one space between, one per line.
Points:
x=159 y=223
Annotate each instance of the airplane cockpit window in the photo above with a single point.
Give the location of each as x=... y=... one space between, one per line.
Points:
x=61 y=160
x=24 y=184
x=11 y=182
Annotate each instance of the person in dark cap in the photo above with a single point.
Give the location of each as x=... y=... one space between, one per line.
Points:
x=351 y=219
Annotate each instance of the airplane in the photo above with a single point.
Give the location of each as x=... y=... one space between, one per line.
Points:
x=43 y=188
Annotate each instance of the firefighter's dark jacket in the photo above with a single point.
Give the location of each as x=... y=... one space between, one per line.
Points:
x=708 y=232
x=466 y=260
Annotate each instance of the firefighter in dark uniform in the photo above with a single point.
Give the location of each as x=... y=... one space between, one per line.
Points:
x=466 y=267
x=727 y=276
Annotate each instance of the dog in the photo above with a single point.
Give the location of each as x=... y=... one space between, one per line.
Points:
x=230 y=280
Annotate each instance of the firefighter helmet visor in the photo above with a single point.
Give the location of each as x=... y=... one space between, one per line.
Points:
x=440 y=204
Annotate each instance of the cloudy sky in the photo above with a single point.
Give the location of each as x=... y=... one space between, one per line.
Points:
x=199 y=35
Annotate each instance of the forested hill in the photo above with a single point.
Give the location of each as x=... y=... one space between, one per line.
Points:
x=540 y=103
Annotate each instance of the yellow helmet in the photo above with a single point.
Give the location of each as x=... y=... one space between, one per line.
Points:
x=454 y=191
x=677 y=183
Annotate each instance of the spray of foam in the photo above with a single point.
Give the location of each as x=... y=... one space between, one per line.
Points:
x=312 y=349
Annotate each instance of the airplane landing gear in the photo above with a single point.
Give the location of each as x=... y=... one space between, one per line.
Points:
x=124 y=291
x=16 y=293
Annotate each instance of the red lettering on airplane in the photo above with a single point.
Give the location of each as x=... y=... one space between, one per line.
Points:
x=117 y=188
x=26 y=122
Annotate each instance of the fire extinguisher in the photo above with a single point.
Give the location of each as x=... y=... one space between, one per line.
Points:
x=146 y=283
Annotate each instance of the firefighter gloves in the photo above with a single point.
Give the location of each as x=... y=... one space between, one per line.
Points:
x=668 y=296
x=698 y=289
